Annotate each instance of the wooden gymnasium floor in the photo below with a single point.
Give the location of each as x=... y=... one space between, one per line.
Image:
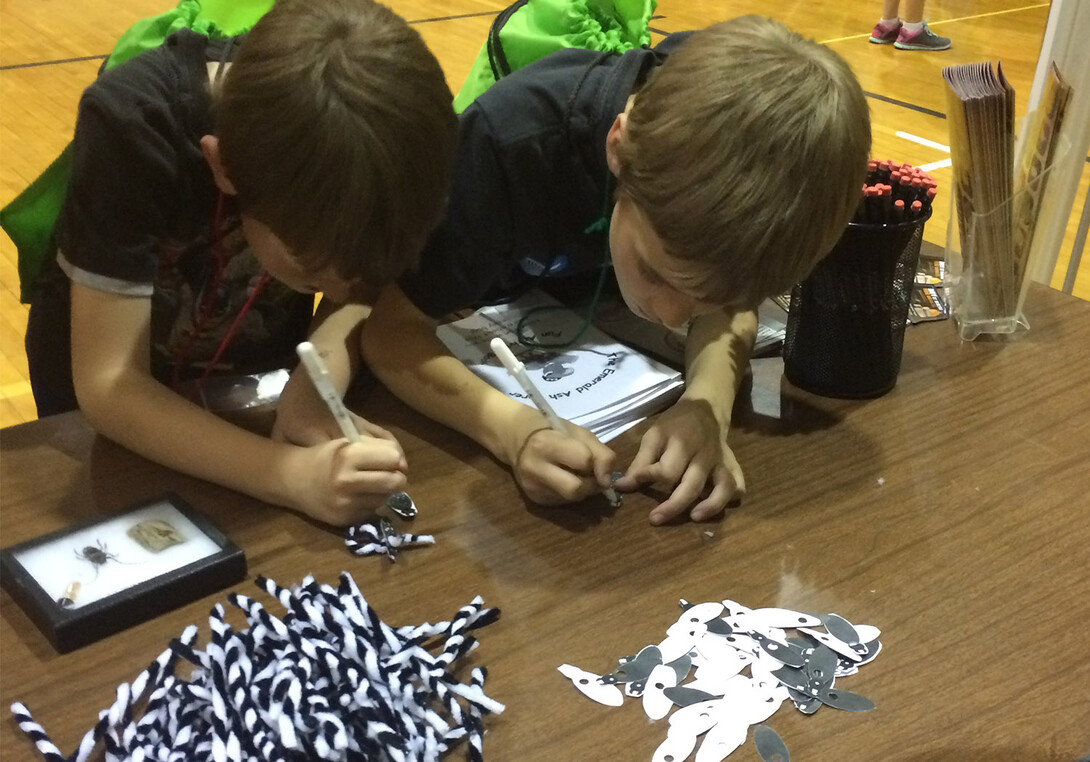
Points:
x=51 y=49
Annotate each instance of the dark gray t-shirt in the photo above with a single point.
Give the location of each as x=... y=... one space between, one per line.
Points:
x=530 y=179
x=143 y=217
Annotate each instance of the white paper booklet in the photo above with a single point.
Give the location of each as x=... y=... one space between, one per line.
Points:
x=597 y=383
x=668 y=345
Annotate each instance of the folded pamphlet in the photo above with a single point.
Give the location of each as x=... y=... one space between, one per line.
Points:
x=596 y=382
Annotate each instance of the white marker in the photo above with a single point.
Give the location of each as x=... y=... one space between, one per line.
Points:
x=398 y=502
x=319 y=376
x=517 y=370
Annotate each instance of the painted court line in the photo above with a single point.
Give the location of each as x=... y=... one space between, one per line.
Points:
x=904 y=104
x=941 y=164
x=922 y=141
x=32 y=64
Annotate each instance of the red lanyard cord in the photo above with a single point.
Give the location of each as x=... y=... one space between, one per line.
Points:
x=261 y=281
x=208 y=303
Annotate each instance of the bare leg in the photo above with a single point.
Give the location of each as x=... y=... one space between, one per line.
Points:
x=915 y=34
x=913 y=11
x=889 y=8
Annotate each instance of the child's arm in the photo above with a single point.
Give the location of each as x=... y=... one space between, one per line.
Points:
x=302 y=417
x=336 y=482
x=400 y=346
x=685 y=451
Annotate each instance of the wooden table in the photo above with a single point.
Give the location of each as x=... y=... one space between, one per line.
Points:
x=951 y=513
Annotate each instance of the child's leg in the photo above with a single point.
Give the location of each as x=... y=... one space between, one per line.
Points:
x=889 y=26
x=915 y=34
x=913 y=11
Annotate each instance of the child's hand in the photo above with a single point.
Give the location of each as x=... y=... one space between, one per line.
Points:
x=554 y=468
x=322 y=427
x=303 y=418
x=685 y=453
x=342 y=483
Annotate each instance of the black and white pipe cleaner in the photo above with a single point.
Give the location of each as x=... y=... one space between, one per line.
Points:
x=330 y=680
x=381 y=539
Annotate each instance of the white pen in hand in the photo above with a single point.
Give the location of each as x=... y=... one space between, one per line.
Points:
x=319 y=376
x=517 y=370
x=398 y=502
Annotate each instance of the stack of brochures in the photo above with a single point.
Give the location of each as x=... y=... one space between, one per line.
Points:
x=595 y=382
x=998 y=194
x=668 y=344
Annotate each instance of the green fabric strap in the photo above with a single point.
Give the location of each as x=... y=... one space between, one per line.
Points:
x=30 y=217
x=542 y=26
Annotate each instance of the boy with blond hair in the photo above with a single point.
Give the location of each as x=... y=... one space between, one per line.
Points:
x=727 y=161
x=217 y=185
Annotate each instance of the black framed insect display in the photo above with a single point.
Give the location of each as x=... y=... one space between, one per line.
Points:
x=83 y=583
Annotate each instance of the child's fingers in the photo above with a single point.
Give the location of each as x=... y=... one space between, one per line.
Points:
x=602 y=459
x=724 y=490
x=683 y=496
x=735 y=472
x=375 y=455
x=555 y=468
x=373 y=429
x=604 y=466
x=674 y=463
x=665 y=473
x=554 y=485
x=548 y=446
x=379 y=483
x=639 y=470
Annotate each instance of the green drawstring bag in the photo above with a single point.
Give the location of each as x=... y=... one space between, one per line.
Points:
x=30 y=217
x=524 y=32
x=531 y=29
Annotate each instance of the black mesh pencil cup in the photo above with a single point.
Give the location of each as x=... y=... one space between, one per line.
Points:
x=847 y=320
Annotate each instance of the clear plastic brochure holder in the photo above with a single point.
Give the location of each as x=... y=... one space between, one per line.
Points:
x=989 y=255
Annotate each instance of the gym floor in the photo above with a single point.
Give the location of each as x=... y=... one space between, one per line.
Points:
x=50 y=50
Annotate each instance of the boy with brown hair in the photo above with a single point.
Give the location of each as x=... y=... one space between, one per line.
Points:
x=217 y=185
x=728 y=161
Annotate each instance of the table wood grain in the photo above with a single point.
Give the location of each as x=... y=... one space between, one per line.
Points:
x=951 y=513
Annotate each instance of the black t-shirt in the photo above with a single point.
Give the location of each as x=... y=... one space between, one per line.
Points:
x=142 y=217
x=530 y=179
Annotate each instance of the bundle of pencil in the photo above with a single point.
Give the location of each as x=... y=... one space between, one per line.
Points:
x=894 y=193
